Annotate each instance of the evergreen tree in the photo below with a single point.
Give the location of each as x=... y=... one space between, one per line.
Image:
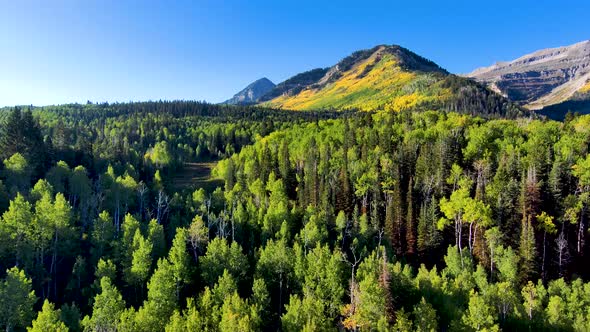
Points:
x=410 y=221
x=21 y=134
x=527 y=250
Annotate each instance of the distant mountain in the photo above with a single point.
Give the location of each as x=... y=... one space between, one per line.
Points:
x=386 y=77
x=546 y=77
x=252 y=92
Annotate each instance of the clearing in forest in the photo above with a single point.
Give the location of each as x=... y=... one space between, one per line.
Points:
x=196 y=175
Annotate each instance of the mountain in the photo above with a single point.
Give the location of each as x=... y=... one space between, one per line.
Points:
x=546 y=77
x=579 y=102
x=386 y=77
x=295 y=84
x=252 y=92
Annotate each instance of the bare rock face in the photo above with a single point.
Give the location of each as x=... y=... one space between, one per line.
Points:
x=252 y=92
x=542 y=78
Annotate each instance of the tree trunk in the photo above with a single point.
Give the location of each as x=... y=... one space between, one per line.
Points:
x=280 y=292
x=543 y=258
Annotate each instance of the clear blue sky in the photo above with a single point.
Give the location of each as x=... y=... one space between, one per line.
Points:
x=62 y=51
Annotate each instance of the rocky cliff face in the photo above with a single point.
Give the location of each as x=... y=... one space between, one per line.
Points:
x=542 y=78
x=252 y=92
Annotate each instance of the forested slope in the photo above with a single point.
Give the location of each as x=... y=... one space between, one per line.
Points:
x=325 y=220
x=387 y=78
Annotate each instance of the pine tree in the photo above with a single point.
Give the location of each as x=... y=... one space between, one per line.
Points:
x=285 y=170
x=428 y=237
x=311 y=174
x=410 y=221
x=393 y=210
x=527 y=250
x=385 y=284
x=21 y=134
x=530 y=195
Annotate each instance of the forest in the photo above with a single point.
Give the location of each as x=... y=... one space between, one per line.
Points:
x=310 y=220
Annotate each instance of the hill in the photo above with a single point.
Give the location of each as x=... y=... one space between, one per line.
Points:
x=386 y=77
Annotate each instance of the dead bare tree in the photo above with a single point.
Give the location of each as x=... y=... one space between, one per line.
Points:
x=142 y=190
x=162 y=206
x=562 y=252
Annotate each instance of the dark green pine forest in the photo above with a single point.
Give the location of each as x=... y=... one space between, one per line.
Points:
x=187 y=216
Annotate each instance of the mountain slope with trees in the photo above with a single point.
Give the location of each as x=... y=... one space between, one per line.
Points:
x=386 y=77
x=405 y=221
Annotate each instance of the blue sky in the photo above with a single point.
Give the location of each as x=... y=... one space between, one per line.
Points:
x=63 y=51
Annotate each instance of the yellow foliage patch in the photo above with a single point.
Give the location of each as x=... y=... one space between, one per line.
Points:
x=585 y=88
x=378 y=83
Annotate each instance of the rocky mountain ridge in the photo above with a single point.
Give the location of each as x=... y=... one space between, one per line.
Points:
x=542 y=78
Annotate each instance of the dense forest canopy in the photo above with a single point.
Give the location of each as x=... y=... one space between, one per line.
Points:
x=314 y=221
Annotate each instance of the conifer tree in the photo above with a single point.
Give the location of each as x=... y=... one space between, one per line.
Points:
x=410 y=221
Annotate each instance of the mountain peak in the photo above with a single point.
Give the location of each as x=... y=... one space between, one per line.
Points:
x=385 y=77
x=404 y=58
x=252 y=93
x=263 y=80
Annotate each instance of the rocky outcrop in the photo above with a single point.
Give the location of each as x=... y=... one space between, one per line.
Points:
x=542 y=78
x=252 y=92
